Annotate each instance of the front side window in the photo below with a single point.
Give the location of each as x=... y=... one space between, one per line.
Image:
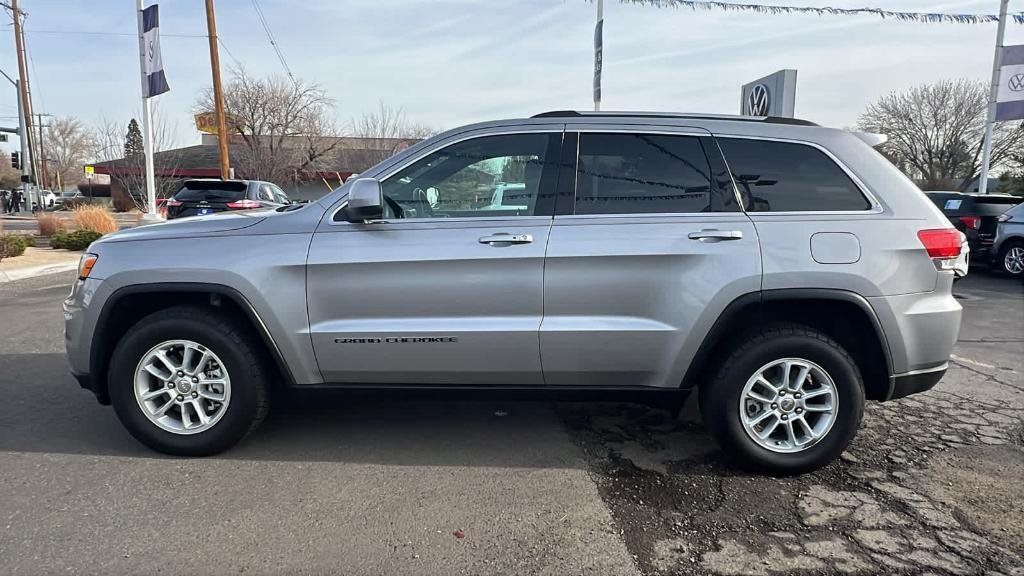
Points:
x=641 y=173
x=501 y=175
x=787 y=177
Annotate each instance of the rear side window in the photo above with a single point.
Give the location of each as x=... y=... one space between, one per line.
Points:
x=641 y=173
x=211 y=192
x=786 y=177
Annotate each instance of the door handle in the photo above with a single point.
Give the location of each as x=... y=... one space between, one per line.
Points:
x=715 y=235
x=503 y=239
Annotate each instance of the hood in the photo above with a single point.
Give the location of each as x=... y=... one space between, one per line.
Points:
x=190 y=227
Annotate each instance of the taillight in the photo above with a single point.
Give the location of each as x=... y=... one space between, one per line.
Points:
x=941 y=243
x=173 y=202
x=971 y=221
x=246 y=203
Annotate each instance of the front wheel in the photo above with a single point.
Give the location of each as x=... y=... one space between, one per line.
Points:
x=789 y=400
x=188 y=381
x=1011 y=258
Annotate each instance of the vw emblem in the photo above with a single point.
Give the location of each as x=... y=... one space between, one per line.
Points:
x=759 y=101
x=1017 y=82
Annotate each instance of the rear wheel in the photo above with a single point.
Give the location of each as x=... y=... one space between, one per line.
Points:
x=188 y=381
x=789 y=400
x=1011 y=258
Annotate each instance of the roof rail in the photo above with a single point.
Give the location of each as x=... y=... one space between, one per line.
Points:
x=765 y=119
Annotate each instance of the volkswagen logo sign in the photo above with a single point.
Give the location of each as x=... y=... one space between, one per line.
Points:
x=758 y=101
x=1016 y=82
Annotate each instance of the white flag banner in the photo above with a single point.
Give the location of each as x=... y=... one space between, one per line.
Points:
x=156 y=82
x=1010 y=96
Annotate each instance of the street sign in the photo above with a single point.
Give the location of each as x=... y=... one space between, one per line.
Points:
x=90 y=170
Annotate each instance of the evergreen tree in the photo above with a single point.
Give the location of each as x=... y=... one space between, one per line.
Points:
x=133 y=145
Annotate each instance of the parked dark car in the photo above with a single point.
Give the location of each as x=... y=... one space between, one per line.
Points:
x=201 y=197
x=975 y=215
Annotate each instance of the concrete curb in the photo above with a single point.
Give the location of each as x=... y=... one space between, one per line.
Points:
x=41 y=270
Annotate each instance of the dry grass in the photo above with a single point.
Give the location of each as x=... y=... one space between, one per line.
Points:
x=50 y=224
x=95 y=218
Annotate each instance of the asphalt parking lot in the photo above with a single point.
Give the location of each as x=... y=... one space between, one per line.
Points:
x=932 y=484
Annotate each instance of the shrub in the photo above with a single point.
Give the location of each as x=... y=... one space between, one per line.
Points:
x=76 y=203
x=77 y=240
x=50 y=224
x=95 y=218
x=12 y=245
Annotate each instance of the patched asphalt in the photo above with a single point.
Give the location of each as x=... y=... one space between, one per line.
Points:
x=932 y=484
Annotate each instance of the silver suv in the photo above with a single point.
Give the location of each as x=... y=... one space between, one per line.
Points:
x=786 y=271
x=1009 y=242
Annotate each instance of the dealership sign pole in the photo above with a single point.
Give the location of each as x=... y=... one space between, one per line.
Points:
x=986 y=147
x=154 y=82
x=598 y=54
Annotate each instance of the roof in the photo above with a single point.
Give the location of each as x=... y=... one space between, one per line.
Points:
x=682 y=115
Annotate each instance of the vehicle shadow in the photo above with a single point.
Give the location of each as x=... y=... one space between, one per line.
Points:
x=47 y=412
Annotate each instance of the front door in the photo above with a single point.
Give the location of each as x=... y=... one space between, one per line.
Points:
x=448 y=287
x=650 y=254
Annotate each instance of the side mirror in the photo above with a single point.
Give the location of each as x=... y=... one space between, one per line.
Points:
x=365 y=201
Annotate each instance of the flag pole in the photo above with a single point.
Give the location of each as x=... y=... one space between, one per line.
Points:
x=986 y=147
x=147 y=125
x=598 y=54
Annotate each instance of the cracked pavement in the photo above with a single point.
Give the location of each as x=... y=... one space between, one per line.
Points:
x=931 y=485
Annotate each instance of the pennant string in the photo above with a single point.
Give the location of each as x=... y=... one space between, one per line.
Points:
x=924 y=17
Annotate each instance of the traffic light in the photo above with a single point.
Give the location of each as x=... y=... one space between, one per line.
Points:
x=16 y=160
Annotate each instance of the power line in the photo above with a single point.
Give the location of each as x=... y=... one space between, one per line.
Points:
x=98 y=33
x=273 y=42
x=237 y=62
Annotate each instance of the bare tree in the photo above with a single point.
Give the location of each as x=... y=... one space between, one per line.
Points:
x=10 y=178
x=68 y=145
x=284 y=127
x=108 y=145
x=385 y=125
x=936 y=130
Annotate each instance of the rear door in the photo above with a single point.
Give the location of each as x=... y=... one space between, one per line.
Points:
x=645 y=259
x=447 y=287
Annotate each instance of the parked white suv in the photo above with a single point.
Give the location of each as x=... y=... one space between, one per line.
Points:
x=786 y=271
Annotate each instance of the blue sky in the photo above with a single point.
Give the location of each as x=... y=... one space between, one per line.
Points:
x=449 y=62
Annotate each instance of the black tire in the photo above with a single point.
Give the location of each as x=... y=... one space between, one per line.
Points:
x=241 y=354
x=1000 y=263
x=720 y=398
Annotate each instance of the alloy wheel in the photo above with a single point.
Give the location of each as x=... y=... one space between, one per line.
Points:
x=182 y=386
x=1013 y=261
x=788 y=405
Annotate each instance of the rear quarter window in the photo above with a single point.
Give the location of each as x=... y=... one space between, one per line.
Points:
x=777 y=176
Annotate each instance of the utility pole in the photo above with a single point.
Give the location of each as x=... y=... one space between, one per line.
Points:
x=23 y=99
x=218 y=93
x=44 y=174
x=997 y=60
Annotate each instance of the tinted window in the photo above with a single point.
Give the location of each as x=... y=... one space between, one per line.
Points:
x=488 y=176
x=641 y=173
x=215 y=194
x=785 y=177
